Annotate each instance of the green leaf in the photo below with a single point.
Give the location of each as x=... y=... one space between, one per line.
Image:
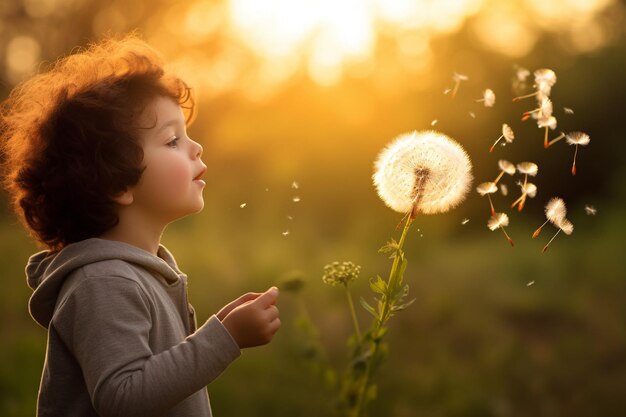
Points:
x=378 y=285
x=368 y=308
x=402 y=306
x=390 y=246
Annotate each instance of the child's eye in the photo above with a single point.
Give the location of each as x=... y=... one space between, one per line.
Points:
x=173 y=142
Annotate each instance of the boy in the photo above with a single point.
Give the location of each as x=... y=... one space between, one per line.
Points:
x=97 y=163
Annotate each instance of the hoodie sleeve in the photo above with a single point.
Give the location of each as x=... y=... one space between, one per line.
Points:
x=106 y=321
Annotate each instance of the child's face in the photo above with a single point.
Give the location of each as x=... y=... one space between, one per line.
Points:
x=169 y=187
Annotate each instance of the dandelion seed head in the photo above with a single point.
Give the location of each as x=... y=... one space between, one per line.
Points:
x=507 y=132
x=506 y=166
x=459 y=77
x=550 y=122
x=544 y=77
x=489 y=98
x=486 y=188
x=577 y=138
x=590 y=210
x=424 y=169
x=555 y=210
x=546 y=108
x=340 y=273
x=498 y=220
x=528 y=168
x=529 y=189
x=522 y=74
x=504 y=190
x=566 y=226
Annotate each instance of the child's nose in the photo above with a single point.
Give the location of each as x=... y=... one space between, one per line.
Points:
x=197 y=149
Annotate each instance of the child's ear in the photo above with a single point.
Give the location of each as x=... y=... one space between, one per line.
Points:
x=124 y=198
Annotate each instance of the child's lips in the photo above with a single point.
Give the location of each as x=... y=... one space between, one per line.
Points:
x=199 y=176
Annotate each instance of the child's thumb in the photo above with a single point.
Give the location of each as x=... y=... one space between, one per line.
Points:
x=268 y=297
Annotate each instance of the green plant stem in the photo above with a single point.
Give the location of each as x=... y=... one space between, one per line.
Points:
x=353 y=313
x=383 y=317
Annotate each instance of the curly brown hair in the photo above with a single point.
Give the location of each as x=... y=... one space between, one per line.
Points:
x=70 y=139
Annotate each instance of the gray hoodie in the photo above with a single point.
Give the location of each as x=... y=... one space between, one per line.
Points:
x=122 y=337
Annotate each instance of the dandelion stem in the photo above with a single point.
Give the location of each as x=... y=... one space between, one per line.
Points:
x=456 y=87
x=498 y=177
x=539 y=229
x=526 y=96
x=545 y=248
x=353 y=313
x=555 y=140
x=495 y=143
x=507 y=236
x=493 y=210
x=545 y=139
x=574 y=164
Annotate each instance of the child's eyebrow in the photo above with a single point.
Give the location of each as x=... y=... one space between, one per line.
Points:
x=172 y=122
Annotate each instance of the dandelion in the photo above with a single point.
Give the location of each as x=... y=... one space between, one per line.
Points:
x=590 y=210
x=423 y=172
x=489 y=98
x=529 y=190
x=464 y=221
x=505 y=167
x=555 y=211
x=564 y=225
x=567 y=110
x=500 y=221
x=242 y=205
x=504 y=190
x=296 y=199
x=486 y=189
x=457 y=82
x=546 y=123
x=507 y=134
x=577 y=139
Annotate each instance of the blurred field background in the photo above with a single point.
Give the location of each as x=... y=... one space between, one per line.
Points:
x=310 y=91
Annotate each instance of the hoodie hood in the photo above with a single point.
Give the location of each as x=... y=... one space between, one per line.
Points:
x=46 y=271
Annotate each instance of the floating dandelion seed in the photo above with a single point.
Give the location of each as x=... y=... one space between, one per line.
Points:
x=507 y=134
x=505 y=167
x=286 y=233
x=555 y=140
x=590 y=210
x=486 y=189
x=530 y=283
x=564 y=225
x=555 y=211
x=544 y=80
x=489 y=98
x=544 y=110
x=290 y=217
x=457 y=82
x=267 y=189
x=295 y=185
x=504 y=190
x=464 y=221
x=295 y=199
x=447 y=91
x=425 y=172
x=434 y=122
x=546 y=123
x=242 y=205
x=577 y=138
x=472 y=115
x=529 y=190
x=567 y=110
x=500 y=221
x=522 y=74
x=528 y=168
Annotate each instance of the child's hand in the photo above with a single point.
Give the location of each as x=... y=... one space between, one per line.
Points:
x=236 y=303
x=255 y=320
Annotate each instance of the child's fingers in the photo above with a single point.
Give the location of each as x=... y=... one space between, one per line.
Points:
x=268 y=298
x=274 y=326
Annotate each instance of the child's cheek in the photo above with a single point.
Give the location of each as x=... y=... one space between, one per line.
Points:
x=177 y=176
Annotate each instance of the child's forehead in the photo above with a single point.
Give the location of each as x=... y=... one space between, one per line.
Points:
x=161 y=110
